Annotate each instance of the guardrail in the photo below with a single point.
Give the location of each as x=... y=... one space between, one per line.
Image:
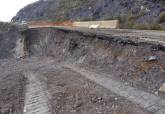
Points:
x=98 y=24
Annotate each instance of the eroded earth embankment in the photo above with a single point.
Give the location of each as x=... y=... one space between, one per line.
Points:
x=141 y=64
x=55 y=57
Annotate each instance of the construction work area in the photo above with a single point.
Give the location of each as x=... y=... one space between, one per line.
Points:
x=71 y=70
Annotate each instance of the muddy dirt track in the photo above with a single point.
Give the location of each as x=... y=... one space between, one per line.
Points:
x=75 y=71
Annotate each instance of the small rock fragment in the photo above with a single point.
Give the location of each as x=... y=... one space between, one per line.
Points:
x=151 y=58
x=24 y=110
x=77 y=105
x=162 y=88
x=116 y=99
x=156 y=93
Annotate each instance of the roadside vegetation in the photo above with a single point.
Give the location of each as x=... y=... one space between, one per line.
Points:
x=67 y=7
x=129 y=22
x=5 y=26
x=161 y=18
x=126 y=22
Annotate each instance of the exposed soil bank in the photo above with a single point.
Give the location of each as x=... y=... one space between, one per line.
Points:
x=11 y=44
x=125 y=59
x=137 y=64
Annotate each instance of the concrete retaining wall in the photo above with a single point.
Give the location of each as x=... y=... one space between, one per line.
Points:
x=85 y=24
x=97 y=24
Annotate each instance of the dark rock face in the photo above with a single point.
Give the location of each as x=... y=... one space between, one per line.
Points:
x=142 y=10
x=8 y=42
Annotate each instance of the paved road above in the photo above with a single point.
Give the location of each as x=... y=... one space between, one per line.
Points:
x=150 y=36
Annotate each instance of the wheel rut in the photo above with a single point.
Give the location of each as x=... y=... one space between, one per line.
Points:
x=149 y=102
x=36 y=100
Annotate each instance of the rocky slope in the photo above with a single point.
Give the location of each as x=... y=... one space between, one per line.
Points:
x=11 y=41
x=128 y=11
x=123 y=53
x=125 y=59
x=118 y=55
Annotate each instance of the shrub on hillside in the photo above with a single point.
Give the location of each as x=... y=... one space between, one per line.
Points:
x=5 y=26
x=148 y=26
x=140 y=26
x=155 y=26
x=161 y=18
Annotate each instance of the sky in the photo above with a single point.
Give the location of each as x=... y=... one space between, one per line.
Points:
x=9 y=8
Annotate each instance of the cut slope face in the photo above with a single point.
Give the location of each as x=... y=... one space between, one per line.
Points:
x=125 y=58
x=135 y=59
x=11 y=44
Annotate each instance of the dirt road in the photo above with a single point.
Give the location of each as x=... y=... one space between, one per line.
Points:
x=60 y=88
x=36 y=100
x=148 y=101
x=149 y=36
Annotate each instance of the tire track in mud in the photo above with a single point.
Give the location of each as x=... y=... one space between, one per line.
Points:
x=36 y=100
x=145 y=100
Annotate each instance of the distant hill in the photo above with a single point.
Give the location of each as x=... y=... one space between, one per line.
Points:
x=142 y=14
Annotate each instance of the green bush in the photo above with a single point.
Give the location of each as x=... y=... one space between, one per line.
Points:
x=148 y=26
x=129 y=22
x=5 y=26
x=155 y=26
x=140 y=26
x=161 y=18
x=68 y=6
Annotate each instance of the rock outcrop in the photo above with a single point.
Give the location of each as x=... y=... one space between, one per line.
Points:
x=11 y=43
x=59 y=10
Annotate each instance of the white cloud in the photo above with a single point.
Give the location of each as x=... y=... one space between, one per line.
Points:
x=9 y=8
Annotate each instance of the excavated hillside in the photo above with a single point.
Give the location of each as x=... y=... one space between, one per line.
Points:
x=82 y=71
x=125 y=58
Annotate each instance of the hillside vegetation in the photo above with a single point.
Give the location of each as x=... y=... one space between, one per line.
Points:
x=141 y=14
x=5 y=26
